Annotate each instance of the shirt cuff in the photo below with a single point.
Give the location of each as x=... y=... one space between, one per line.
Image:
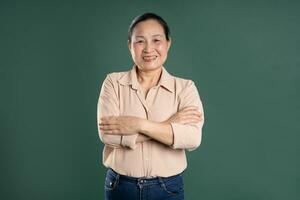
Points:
x=129 y=141
x=185 y=136
x=111 y=140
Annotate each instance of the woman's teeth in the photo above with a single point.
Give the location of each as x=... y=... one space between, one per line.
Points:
x=149 y=58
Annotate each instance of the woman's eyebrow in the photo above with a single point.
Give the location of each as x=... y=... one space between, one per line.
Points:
x=156 y=35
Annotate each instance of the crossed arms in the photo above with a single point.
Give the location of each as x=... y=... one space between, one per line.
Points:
x=182 y=130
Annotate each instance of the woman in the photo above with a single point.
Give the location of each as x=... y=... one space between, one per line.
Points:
x=147 y=118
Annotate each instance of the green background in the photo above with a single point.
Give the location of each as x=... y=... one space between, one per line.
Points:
x=244 y=57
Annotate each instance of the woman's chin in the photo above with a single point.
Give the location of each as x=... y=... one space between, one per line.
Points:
x=149 y=66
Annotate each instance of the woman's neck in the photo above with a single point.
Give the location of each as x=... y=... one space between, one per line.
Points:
x=148 y=78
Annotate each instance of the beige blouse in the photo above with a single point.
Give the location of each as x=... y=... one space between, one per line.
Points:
x=121 y=95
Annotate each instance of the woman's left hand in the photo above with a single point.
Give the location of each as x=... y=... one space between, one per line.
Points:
x=120 y=125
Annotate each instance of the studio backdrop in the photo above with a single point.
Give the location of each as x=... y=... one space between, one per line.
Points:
x=244 y=57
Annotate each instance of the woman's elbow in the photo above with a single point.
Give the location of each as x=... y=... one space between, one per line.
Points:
x=194 y=142
x=186 y=137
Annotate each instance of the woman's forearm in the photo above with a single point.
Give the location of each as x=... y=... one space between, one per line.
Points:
x=142 y=138
x=159 y=131
x=129 y=125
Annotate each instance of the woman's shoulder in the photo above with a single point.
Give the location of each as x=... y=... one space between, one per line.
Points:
x=182 y=82
x=115 y=76
x=186 y=87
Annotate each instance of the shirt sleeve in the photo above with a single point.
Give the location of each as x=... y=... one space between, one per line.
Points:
x=108 y=105
x=188 y=136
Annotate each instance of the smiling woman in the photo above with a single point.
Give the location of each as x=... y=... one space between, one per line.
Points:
x=147 y=118
x=148 y=45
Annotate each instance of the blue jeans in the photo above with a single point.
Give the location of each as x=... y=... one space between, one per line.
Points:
x=120 y=187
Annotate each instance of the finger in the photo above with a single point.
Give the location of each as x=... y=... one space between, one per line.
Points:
x=116 y=132
x=192 y=117
x=108 y=120
x=104 y=120
x=109 y=132
x=192 y=121
x=189 y=108
x=197 y=113
x=108 y=127
x=192 y=112
x=102 y=123
x=104 y=127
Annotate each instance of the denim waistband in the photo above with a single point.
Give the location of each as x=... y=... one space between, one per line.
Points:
x=153 y=180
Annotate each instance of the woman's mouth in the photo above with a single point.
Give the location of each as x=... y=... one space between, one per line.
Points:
x=149 y=58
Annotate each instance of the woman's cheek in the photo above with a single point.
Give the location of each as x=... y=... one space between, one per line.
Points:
x=138 y=49
x=162 y=48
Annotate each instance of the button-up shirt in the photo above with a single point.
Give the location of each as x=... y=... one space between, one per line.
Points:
x=120 y=95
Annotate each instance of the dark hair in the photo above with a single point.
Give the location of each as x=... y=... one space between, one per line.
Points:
x=147 y=16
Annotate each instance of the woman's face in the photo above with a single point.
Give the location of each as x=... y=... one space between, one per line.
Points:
x=149 y=46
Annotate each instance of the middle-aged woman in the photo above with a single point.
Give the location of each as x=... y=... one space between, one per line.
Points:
x=147 y=119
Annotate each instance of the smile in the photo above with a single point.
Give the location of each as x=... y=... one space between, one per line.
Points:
x=149 y=58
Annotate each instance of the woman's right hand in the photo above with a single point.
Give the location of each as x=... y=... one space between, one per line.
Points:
x=187 y=115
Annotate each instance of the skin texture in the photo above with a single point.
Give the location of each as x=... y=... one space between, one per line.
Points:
x=149 y=49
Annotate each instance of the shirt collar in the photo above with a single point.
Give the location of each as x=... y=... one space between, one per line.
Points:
x=130 y=78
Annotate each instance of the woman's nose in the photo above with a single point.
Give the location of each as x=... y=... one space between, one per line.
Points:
x=148 y=48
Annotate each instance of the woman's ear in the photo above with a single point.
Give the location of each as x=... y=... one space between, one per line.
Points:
x=169 y=43
x=129 y=45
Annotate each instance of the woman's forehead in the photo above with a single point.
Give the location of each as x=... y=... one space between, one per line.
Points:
x=148 y=26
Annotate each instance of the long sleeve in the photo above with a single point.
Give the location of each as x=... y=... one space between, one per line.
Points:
x=160 y=148
x=108 y=105
x=188 y=136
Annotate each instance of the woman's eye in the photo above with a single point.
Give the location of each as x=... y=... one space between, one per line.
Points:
x=140 y=41
x=156 y=40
